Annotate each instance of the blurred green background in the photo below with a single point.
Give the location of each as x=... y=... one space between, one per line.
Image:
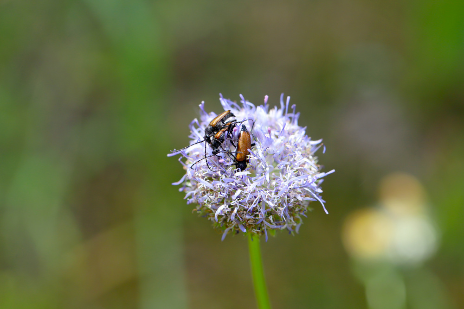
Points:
x=94 y=94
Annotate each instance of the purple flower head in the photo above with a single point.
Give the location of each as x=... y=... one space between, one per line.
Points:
x=281 y=178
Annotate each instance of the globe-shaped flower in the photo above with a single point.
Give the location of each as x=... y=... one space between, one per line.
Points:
x=280 y=180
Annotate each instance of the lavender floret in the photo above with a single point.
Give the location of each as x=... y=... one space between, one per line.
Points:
x=274 y=191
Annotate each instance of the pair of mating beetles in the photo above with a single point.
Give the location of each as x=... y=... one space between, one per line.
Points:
x=220 y=129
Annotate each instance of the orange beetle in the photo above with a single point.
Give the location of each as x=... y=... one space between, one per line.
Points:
x=242 y=151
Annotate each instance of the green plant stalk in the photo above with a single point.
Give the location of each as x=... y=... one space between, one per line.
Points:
x=259 y=283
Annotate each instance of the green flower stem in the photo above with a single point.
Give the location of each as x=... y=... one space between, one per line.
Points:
x=258 y=274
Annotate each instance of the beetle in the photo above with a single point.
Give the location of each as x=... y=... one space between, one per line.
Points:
x=221 y=121
x=244 y=143
x=242 y=149
x=217 y=132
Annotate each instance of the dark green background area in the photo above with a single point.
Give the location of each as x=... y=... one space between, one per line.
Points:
x=95 y=93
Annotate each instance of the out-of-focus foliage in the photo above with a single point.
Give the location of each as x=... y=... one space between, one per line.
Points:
x=93 y=94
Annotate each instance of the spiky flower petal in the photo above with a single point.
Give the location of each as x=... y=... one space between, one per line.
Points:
x=281 y=179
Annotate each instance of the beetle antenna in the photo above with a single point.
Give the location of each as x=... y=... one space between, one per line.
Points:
x=251 y=131
x=205 y=158
x=252 y=127
x=192 y=145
